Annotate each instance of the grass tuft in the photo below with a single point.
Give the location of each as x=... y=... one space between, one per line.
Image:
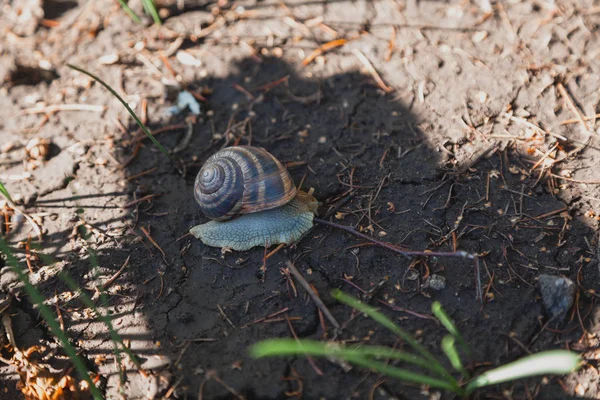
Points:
x=377 y=358
x=4 y=192
x=129 y=11
x=48 y=315
x=149 y=7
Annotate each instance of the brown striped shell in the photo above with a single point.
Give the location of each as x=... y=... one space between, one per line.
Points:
x=241 y=180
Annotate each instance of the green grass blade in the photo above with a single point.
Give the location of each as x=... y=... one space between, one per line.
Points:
x=286 y=347
x=38 y=299
x=406 y=375
x=445 y=319
x=5 y=192
x=133 y=114
x=129 y=11
x=389 y=324
x=547 y=362
x=359 y=356
x=389 y=353
x=450 y=350
x=150 y=8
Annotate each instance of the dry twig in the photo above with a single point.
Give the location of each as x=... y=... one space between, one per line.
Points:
x=63 y=107
x=572 y=106
x=305 y=285
x=396 y=249
x=324 y=48
x=372 y=71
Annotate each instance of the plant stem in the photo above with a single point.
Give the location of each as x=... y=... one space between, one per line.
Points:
x=133 y=114
x=434 y=364
x=36 y=298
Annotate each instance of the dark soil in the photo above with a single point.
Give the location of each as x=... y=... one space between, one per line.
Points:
x=449 y=158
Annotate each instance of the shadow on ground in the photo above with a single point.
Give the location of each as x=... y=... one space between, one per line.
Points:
x=189 y=312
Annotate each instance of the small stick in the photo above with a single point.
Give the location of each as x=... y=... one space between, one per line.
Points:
x=534 y=126
x=396 y=249
x=172 y=388
x=33 y=224
x=63 y=107
x=321 y=319
x=311 y=361
x=144 y=111
x=209 y=29
x=572 y=106
x=49 y=23
x=548 y=214
x=167 y=64
x=241 y=89
x=135 y=176
x=136 y=150
x=341 y=203
x=141 y=199
x=28 y=254
x=154 y=243
x=372 y=71
x=181 y=353
x=406 y=310
x=576 y=120
x=7 y=222
x=8 y=330
x=326 y=47
x=574 y=180
x=262 y=319
x=289 y=282
x=305 y=285
x=183 y=236
x=60 y=319
x=543 y=157
x=391 y=45
x=269 y=86
x=273 y=252
x=116 y=275
x=187 y=138
x=203 y=340
x=225 y=316
x=213 y=375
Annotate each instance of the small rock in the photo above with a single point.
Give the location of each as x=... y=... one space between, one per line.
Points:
x=185 y=100
x=38 y=149
x=23 y=16
x=8 y=279
x=557 y=294
x=437 y=282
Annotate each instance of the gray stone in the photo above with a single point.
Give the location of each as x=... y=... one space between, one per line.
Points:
x=8 y=279
x=437 y=282
x=558 y=293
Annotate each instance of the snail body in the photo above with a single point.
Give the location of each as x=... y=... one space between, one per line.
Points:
x=252 y=200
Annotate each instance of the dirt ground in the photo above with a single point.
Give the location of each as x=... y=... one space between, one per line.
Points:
x=429 y=124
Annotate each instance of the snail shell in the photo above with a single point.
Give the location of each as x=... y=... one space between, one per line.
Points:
x=242 y=180
x=251 y=185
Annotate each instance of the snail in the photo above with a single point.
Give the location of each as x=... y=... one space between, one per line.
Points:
x=251 y=199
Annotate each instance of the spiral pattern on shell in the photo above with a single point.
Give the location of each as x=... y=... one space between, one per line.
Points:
x=240 y=180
